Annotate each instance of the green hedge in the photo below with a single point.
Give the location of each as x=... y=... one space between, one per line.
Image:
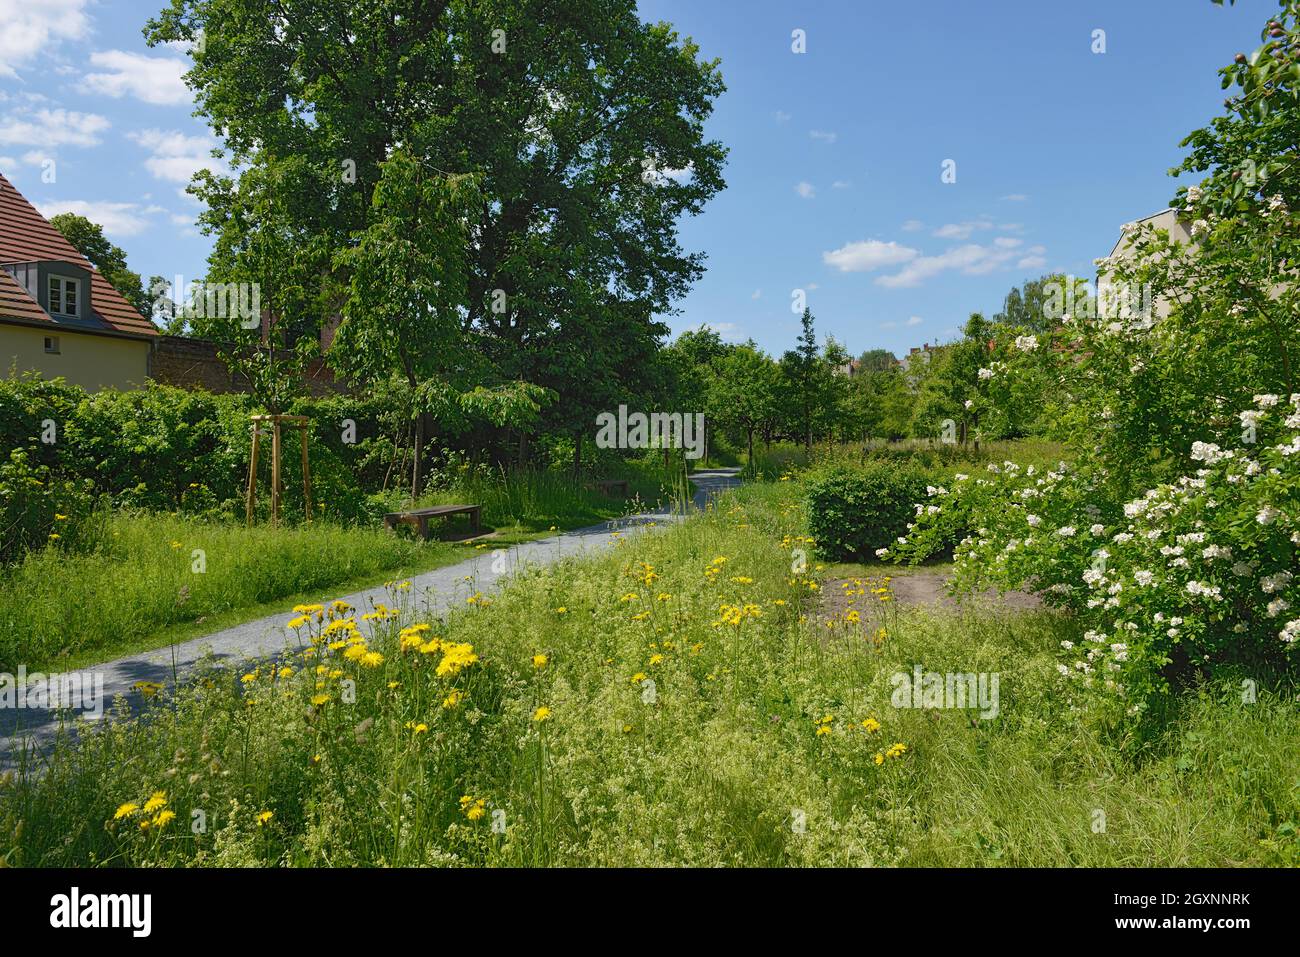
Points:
x=854 y=511
x=169 y=449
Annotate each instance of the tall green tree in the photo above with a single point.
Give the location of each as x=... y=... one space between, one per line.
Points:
x=403 y=313
x=583 y=125
x=805 y=379
x=743 y=392
x=89 y=239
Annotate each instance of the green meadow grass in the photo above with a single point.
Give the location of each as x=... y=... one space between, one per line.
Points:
x=139 y=586
x=636 y=708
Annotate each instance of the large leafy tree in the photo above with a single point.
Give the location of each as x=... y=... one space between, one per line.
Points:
x=953 y=386
x=110 y=259
x=582 y=124
x=743 y=392
x=1032 y=306
x=404 y=309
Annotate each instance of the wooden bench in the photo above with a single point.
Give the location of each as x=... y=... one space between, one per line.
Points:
x=419 y=518
x=607 y=486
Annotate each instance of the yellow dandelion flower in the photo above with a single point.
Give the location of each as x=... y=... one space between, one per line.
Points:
x=540 y=661
x=264 y=818
x=125 y=810
x=456 y=656
x=541 y=714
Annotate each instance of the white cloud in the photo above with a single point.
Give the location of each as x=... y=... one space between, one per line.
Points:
x=29 y=28
x=782 y=116
x=1007 y=242
x=154 y=80
x=1015 y=197
x=1032 y=262
x=653 y=172
x=971 y=260
x=824 y=136
x=841 y=184
x=913 y=226
x=914 y=320
x=121 y=219
x=867 y=255
x=961 y=230
x=7 y=162
x=758 y=294
x=176 y=157
x=47 y=128
x=806 y=190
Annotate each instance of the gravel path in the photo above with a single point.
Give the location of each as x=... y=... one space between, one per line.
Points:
x=437 y=590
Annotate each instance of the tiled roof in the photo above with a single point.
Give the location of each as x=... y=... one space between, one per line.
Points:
x=26 y=236
x=15 y=303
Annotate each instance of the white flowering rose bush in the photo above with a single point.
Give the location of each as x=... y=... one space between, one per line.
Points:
x=1194 y=573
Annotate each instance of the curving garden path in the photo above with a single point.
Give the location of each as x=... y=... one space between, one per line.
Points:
x=436 y=590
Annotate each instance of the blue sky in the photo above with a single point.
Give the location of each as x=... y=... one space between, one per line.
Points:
x=834 y=176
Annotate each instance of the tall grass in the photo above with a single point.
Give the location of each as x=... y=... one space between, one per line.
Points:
x=535 y=499
x=639 y=708
x=144 y=573
x=152 y=571
x=783 y=458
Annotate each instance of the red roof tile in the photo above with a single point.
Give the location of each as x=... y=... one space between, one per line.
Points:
x=26 y=236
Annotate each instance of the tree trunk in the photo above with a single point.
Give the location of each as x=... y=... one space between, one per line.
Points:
x=577 y=454
x=751 y=448
x=416 y=457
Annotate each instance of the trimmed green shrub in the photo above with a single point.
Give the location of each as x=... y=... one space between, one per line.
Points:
x=854 y=511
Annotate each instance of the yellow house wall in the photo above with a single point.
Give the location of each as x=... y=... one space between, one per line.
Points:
x=93 y=362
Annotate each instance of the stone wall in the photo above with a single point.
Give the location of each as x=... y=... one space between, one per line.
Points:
x=194 y=364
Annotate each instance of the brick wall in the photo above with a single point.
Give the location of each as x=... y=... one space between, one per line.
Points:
x=194 y=364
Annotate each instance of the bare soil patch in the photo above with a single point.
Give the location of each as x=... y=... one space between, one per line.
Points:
x=871 y=596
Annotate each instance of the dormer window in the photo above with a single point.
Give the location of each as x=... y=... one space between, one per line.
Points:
x=65 y=296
